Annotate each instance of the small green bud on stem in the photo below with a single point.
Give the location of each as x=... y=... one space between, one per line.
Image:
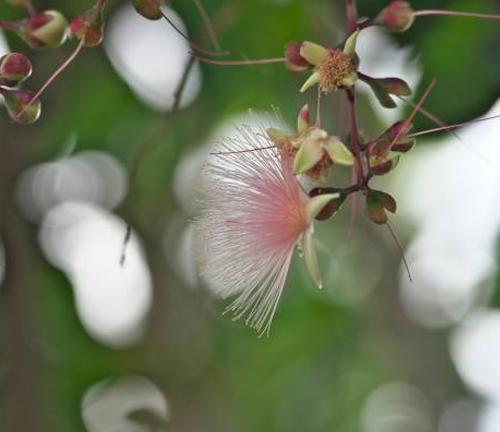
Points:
x=88 y=27
x=21 y=105
x=44 y=30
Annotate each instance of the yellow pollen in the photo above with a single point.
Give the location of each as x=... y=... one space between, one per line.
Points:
x=333 y=69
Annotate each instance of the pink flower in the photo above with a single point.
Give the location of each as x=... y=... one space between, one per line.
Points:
x=253 y=216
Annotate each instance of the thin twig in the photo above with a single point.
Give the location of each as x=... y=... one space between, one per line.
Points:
x=456 y=14
x=189 y=41
x=427 y=114
x=126 y=241
x=452 y=127
x=208 y=25
x=401 y=250
x=159 y=128
x=239 y=62
x=149 y=141
x=414 y=113
x=51 y=79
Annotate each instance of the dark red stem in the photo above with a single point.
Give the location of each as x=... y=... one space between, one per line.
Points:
x=355 y=139
x=352 y=16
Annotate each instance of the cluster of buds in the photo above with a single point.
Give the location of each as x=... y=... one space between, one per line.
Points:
x=15 y=68
x=314 y=151
x=43 y=30
x=271 y=203
x=89 y=26
x=311 y=151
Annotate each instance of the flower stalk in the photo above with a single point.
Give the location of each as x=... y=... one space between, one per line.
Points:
x=431 y=12
x=52 y=78
x=355 y=138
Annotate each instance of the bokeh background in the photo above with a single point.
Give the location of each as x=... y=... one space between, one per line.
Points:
x=89 y=344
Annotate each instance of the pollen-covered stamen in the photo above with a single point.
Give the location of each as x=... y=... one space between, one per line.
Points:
x=334 y=69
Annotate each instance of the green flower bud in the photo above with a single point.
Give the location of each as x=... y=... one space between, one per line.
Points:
x=333 y=206
x=20 y=107
x=383 y=166
x=377 y=205
x=383 y=88
x=44 y=30
x=88 y=27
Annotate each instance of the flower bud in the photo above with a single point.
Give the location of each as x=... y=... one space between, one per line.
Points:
x=88 y=27
x=333 y=206
x=294 y=61
x=149 y=9
x=44 y=30
x=397 y=17
x=383 y=88
x=14 y=69
x=387 y=142
x=16 y=102
x=382 y=166
x=304 y=119
x=377 y=205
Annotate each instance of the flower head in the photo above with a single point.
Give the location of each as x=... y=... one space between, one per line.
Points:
x=334 y=67
x=311 y=151
x=254 y=215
